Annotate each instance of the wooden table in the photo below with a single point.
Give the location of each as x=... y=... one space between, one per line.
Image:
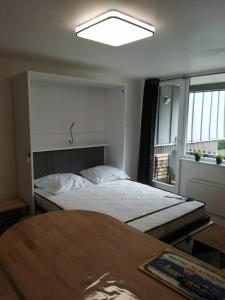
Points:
x=6 y=290
x=74 y=254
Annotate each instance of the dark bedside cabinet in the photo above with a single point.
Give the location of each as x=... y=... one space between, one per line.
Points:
x=11 y=211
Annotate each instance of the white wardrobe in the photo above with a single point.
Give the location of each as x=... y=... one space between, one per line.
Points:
x=47 y=105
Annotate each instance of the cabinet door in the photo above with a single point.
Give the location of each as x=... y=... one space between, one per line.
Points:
x=23 y=139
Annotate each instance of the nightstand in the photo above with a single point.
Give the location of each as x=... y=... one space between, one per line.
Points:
x=11 y=211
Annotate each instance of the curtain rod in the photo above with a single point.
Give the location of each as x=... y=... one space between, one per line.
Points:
x=189 y=76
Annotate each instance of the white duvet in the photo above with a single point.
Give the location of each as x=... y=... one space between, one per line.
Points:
x=124 y=200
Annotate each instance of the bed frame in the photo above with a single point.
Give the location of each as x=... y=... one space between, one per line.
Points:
x=175 y=236
x=186 y=231
x=75 y=160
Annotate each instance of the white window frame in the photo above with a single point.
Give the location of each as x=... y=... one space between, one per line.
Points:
x=183 y=84
x=191 y=157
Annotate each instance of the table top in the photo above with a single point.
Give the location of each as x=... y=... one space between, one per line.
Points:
x=80 y=255
x=6 y=290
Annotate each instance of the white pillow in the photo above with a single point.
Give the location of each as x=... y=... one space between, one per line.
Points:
x=61 y=183
x=103 y=174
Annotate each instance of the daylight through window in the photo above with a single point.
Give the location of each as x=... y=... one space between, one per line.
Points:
x=206 y=119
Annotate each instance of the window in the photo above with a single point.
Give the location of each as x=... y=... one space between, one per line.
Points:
x=190 y=117
x=166 y=149
x=206 y=120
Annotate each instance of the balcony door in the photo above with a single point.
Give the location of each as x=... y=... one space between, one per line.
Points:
x=169 y=134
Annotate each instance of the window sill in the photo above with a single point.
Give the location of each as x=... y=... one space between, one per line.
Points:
x=203 y=161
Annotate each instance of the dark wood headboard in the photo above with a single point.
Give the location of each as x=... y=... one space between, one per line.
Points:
x=66 y=161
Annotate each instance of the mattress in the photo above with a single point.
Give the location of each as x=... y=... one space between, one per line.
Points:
x=146 y=208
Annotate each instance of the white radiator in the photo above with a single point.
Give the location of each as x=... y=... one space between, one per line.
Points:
x=211 y=193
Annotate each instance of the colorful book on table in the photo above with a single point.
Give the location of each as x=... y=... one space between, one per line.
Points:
x=193 y=280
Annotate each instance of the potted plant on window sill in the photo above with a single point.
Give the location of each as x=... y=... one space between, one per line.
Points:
x=219 y=158
x=198 y=154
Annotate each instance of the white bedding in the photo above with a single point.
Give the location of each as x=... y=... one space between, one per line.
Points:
x=126 y=200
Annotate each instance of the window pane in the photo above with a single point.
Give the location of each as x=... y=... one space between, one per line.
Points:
x=174 y=121
x=190 y=111
x=206 y=116
x=197 y=116
x=214 y=110
x=164 y=115
x=210 y=112
x=165 y=149
x=221 y=115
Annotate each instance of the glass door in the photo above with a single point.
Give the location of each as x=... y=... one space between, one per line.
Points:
x=169 y=133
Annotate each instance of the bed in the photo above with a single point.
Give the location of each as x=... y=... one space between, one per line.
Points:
x=146 y=208
x=154 y=211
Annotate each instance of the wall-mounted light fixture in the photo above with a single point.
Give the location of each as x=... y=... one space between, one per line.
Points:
x=166 y=100
x=115 y=28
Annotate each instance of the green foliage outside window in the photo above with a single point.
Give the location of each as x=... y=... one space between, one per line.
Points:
x=221 y=145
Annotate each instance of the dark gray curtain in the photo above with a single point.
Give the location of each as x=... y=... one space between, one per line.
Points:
x=148 y=120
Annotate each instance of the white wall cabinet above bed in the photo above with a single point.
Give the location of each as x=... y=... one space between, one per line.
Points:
x=47 y=105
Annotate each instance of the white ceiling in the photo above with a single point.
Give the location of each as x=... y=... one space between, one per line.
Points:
x=190 y=34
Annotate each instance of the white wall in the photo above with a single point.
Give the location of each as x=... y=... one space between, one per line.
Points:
x=191 y=169
x=11 y=67
x=115 y=123
x=133 y=107
x=54 y=107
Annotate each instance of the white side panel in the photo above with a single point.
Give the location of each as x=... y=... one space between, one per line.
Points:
x=22 y=131
x=133 y=108
x=204 y=182
x=213 y=195
x=115 y=124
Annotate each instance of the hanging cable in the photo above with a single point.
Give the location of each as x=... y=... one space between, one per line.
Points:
x=71 y=133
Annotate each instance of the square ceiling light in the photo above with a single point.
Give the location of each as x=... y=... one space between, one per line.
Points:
x=115 y=28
